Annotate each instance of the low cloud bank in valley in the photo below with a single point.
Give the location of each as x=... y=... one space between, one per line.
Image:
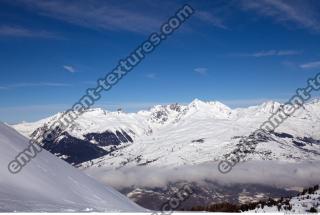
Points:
x=273 y=173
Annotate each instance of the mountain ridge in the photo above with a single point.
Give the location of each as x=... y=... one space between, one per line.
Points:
x=181 y=134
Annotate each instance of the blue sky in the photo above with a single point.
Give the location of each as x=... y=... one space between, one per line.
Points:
x=240 y=52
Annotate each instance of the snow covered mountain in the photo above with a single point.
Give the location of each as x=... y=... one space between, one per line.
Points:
x=176 y=135
x=306 y=202
x=173 y=144
x=48 y=184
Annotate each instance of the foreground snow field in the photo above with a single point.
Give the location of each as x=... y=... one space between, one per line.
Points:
x=48 y=184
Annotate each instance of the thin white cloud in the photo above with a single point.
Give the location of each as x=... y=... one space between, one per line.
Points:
x=3 y=88
x=290 y=64
x=288 y=52
x=211 y=19
x=14 y=31
x=29 y=84
x=301 y=13
x=108 y=15
x=151 y=75
x=70 y=69
x=89 y=82
x=201 y=70
x=41 y=84
x=269 y=53
x=133 y=16
x=311 y=65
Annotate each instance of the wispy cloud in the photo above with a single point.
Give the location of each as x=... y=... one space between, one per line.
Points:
x=40 y=84
x=109 y=15
x=310 y=65
x=290 y=64
x=15 y=31
x=211 y=19
x=89 y=82
x=301 y=13
x=151 y=75
x=69 y=68
x=132 y=16
x=3 y=88
x=269 y=53
x=201 y=70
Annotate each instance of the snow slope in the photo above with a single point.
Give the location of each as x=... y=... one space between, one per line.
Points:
x=48 y=184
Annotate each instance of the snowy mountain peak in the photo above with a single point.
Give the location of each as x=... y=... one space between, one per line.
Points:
x=196 y=103
x=165 y=113
x=96 y=111
x=208 y=109
x=270 y=106
x=315 y=101
x=220 y=106
x=210 y=104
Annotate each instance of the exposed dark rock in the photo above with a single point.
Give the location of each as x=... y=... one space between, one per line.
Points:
x=198 y=141
x=309 y=140
x=160 y=116
x=282 y=135
x=237 y=137
x=121 y=137
x=147 y=162
x=175 y=107
x=300 y=144
x=106 y=138
x=74 y=150
x=127 y=136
